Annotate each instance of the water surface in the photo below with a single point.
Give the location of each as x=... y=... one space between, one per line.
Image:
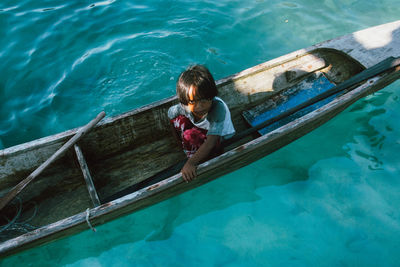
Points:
x=328 y=199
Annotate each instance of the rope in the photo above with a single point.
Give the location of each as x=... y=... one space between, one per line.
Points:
x=14 y=225
x=87 y=220
x=11 y=222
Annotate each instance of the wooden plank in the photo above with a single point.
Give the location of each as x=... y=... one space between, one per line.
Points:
x=87 y=176
x=60 y=152
x=382 y=66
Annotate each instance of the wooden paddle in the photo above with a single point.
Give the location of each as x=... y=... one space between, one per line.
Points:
x=79 y=134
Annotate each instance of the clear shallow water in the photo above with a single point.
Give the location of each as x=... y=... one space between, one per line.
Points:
x=330 y=198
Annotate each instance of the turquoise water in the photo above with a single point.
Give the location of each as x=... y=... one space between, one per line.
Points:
x=328 y=199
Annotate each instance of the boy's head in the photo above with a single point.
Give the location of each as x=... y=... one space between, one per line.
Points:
x=196 y=84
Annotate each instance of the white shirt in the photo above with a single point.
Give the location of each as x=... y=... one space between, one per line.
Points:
x=217 y=122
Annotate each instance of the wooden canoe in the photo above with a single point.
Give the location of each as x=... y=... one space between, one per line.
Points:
x=71 y=195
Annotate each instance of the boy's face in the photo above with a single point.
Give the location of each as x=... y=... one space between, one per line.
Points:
x=199 y=107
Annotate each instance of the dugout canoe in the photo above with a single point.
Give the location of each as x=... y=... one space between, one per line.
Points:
x=123 y=151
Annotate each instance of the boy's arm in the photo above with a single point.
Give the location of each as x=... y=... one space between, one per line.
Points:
x=189 y=169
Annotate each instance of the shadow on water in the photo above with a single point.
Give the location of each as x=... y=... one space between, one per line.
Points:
x=160 y=221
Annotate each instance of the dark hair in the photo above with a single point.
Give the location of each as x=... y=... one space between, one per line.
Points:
x=200 y=77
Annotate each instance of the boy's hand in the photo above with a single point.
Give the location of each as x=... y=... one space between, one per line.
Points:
x=188 y=171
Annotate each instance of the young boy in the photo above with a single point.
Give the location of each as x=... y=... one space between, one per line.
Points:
x=201 y=119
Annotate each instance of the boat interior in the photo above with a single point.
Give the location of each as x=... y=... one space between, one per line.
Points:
x=128 y=149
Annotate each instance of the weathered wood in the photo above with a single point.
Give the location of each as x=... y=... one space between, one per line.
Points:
x=19 y=187
x=86 y=175
x=382 y=66
x=124 y=150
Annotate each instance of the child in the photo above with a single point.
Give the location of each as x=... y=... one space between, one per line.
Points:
x=201 y=119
